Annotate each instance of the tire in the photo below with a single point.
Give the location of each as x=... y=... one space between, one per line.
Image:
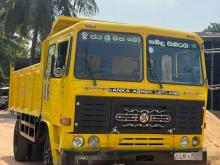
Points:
x=20 y=144
x=36 y=152
x=47 y=154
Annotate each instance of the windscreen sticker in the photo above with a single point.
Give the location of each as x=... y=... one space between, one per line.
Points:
x=173 y=43
x=143 y=91
x=108 y=37
x=151 y=50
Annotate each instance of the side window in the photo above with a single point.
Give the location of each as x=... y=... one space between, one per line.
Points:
x=51 y=54
x=62 y=52
x=69 y=56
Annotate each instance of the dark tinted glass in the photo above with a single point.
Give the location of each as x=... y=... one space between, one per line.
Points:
x=174 y=61
x=109 y=56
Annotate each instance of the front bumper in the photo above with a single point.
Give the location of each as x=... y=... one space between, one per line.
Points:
x=130 y=157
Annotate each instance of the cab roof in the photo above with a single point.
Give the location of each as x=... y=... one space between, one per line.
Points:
x=63 y=22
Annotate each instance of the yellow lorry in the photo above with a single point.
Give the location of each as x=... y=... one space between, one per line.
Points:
x=111 y=92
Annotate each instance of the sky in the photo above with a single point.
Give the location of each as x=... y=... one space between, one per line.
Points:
x=188 y=15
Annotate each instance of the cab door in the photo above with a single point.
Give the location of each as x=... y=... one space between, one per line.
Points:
x=46 y=83
x=53 y=81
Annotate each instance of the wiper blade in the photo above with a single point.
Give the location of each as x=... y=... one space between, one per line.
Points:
x=91 y=72
x=89 y=67
x=154 y=73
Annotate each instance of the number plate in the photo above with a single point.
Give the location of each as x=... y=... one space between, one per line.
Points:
x=188 y=156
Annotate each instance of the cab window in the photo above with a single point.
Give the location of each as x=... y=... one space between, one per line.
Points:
x=62 y=52
x=51 y=54
x=174 y=61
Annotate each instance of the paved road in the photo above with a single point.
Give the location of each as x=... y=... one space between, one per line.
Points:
x=212 y=140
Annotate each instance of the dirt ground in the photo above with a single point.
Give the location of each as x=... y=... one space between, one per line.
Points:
x=212 y=140
x=7 y=122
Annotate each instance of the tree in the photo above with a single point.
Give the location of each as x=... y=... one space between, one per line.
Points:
x=213 y=27
x=33 y=18
x=76 y=7
x=27 y=18
x=9 y=51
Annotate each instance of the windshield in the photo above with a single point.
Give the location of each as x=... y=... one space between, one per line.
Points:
x=109 y=56
x=174 y=61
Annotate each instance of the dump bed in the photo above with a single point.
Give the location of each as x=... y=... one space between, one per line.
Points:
x=26 y=90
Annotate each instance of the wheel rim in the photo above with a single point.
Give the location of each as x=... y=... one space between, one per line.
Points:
x=47 y=156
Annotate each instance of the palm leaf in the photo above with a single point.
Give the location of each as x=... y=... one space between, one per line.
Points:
x=85 y=7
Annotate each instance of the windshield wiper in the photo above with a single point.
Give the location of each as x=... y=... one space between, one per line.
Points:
x=154 y=73
x=91 y=74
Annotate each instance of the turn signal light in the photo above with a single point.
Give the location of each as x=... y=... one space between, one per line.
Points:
x=65 y=121
x=195 y=141
x=190 y=36
x=90 y=25
x=204 y=125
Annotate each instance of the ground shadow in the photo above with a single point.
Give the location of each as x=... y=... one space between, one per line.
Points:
x=6 y=114
x=9 y=160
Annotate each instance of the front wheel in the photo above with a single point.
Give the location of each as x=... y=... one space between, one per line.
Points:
x=47 y=154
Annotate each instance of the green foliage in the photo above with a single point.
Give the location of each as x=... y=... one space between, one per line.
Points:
x=9 y=51
x=33 y=18
x=24 y=15
x=22 y=20
x=213 y=27
x=75 y=7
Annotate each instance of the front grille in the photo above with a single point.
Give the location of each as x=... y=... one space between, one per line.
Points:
x=92 y=115
x=142 y=115
x=189 y=117
x=141 y=142
x=137 y=116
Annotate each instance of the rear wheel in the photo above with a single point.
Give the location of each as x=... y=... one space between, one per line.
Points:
x=47 y=154
x=20 y=144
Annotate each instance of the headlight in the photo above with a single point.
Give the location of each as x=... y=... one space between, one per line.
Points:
x=184 y=141
x=93 y=141
x=195 y=141
x=78 y=141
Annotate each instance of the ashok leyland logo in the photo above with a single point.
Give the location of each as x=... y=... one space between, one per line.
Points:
x=143 y=91
x=143 y=118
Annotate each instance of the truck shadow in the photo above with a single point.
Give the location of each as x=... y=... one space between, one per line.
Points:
x=9 y=160
x=6 y=116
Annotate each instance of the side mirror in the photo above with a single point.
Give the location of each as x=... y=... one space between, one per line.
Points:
x=56 y=71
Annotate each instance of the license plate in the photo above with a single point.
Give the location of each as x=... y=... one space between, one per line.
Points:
x=188 y=156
